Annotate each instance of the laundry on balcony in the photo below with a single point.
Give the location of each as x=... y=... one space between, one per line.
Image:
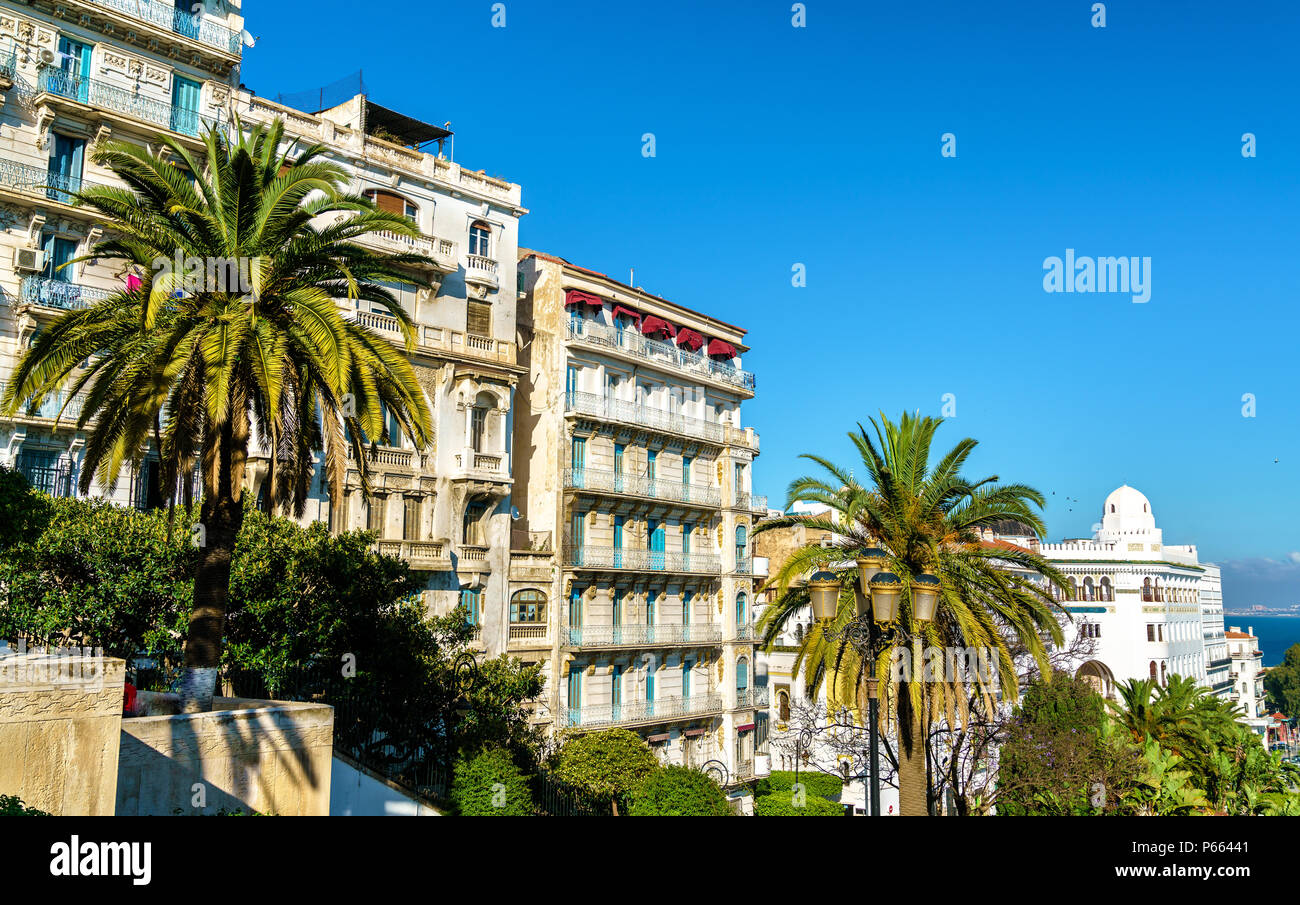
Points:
x=657 y=326
x=578 y=297
x=690 y=340
x=721 y=348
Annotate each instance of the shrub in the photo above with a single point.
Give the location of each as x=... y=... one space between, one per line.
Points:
x=823 y=785
x=782 y=804
x=680 y=792
x=11 y=806
x=610 y=765
x=491 y=785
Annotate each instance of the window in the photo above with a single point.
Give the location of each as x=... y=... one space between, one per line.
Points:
x=650 y=458
x=616 y=689
x=65 y=169
x=686 y=678
x=477 y=426
x=46 y=472
x=742 y=539
x=650 y=607
x=472 y=599
x=375 y=515
x=479 y=319
x=1147 y=596
x=783 y=706
x=575 y=695
x=687 y=528
x=392 y=203
x=579 y=454
x=742 y=609
x=618 y=542
x=472 y=527
x=58 y=252
x=72 y=78
x=185 y=105
x=528 y=606
x=411 y=518
x=480 y=239
x=742 y=674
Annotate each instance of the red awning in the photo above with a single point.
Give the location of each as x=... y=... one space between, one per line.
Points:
x=689 y=339
x=578 y=297
x=619 y=310
x=745 y=728
x=721 y=348
x=655 y=326
x=694 y=733
x=656 y=739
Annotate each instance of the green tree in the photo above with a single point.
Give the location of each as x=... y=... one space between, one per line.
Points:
x=925 y=515
x=1059 y=757
x=490 y=784
x=193 y=362
x=22 y=510
x=1282 y=683
x=679 y=792
x=11 y=806
x=610 y=764
x=823 y=785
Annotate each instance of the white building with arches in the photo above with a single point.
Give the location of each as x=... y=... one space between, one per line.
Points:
x=1151 y=609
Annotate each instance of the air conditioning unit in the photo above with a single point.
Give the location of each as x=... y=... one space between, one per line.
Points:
x=46 y=57
x=29 y=260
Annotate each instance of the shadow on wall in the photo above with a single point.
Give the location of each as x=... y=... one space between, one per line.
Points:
x=272 y=757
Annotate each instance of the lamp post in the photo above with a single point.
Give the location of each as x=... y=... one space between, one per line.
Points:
x=874 y=629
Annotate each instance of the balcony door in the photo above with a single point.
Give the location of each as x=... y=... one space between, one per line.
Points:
x=185 y=106
x=616 y=694
x=616 y=618
x=618 y=467
x=655 y=529
x=575 y=616
x=575 y=696
x=618 y=542
x=67 y=157
x=578 y=461
x=72 y=78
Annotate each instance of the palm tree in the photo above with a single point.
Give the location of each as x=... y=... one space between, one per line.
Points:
x=194 y=364
x=926 y=518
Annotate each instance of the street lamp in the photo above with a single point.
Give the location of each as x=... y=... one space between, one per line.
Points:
x=880 y=593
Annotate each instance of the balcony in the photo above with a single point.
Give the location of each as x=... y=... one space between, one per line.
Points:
x=641 y=560
x=439 y=339
x=54 y=407
x=386 y=455
x=629 y=342
x=422 y=555
x=473 y=558
x=602 y=481
x=750 y=502
x=37 y=181
x=587 y=636
x=169 y=17
x=528 y=634
x=442 y=252
x=744 y=566
x=633 y=413
x=52 y=293
x=481 y=271
x=749 y=698
x=48 y=473
x=663 y=710
x=56 y=83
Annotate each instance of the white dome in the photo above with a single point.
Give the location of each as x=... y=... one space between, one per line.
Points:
x=1127 y=511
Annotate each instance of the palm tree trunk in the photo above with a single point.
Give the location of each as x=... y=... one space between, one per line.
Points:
x=912 y=791
x=220 y=518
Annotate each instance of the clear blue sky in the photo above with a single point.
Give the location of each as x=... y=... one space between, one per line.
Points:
x=821 y=145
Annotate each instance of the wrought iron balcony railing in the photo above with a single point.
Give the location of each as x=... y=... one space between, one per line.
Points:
x=633 y=343
x=641 y=560
x=751 y=697
x=751 y=502
x=609 y=409
x=639 y=635
x=9 y=63
x=662 y=710
x=54 y=293
x=53 y=407
x=110 y=97
x=54 y=186
x=48 y=473
x=635 y=485
x=181 y=21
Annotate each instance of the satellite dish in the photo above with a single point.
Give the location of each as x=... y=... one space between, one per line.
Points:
x=514 y=513
x=246 y=38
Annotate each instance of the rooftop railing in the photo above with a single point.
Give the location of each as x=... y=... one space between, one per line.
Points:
x=633 y=343
x=641 y=560
x=95 y=93
x=598 y=715
x=635 y=485
x=180 y=21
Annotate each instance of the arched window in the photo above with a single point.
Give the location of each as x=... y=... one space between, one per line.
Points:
x=472 y=527
x=783 y=706
x=528 y=606
x=392 y=203
x=742 y=674
x=1154 y=673
x=1160 y=592
x=478 y=421
x=1164 y=673
x=1073 y=592
x=1147 y=595
x=1088 y=590
x=742 y=610
x=480 y=239
x=742 y=540
x=1107 y=591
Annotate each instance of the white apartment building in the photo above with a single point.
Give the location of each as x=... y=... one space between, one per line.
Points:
x=76 y=73
x=633 y=458
x=1248 y=678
